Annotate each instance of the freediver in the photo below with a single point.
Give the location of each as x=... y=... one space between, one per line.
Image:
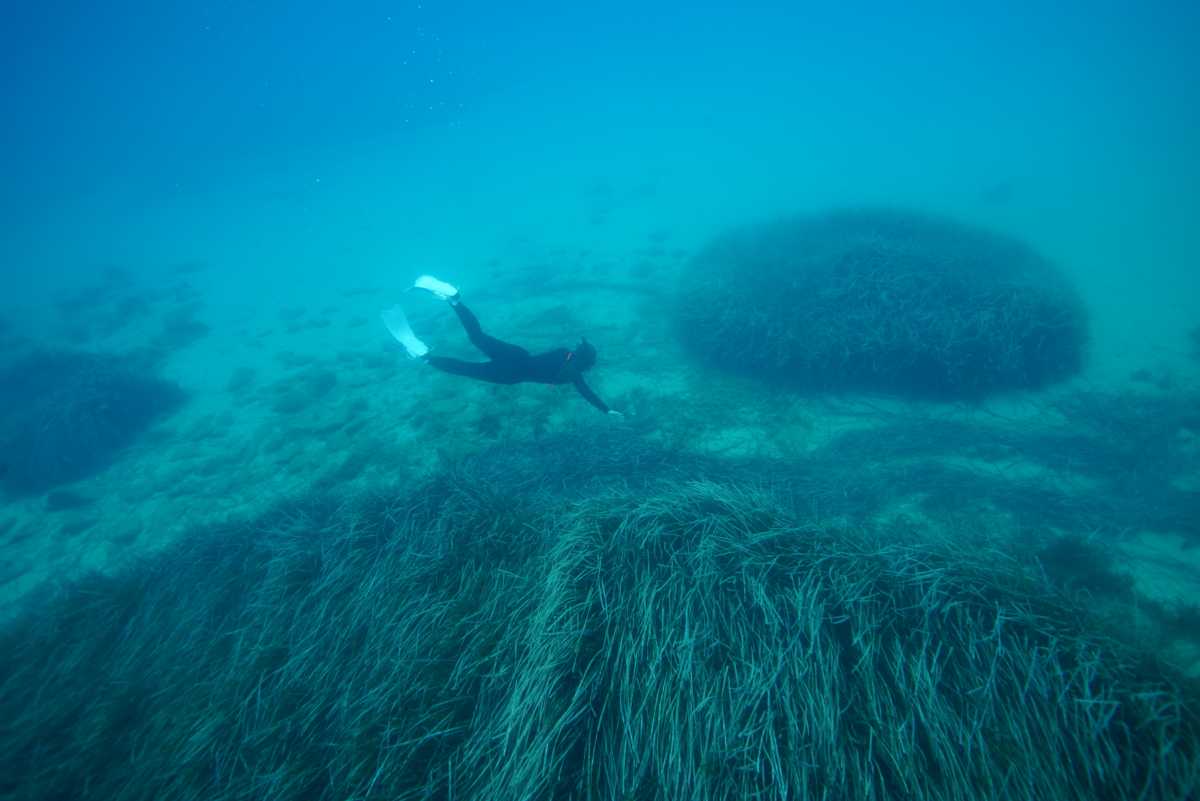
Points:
x=507 y=363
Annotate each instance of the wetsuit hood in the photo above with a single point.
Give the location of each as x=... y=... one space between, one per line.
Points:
x=583 y=357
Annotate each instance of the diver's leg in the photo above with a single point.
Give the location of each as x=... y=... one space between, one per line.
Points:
x=494 y=349
x=493 y=372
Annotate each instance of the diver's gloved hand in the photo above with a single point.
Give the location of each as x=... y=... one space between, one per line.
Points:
x=616 y=414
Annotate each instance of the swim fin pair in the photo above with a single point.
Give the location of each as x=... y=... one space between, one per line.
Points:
x=397 y=322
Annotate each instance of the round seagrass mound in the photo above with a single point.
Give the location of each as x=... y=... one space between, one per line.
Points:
x=881 y=300
x=67 y=415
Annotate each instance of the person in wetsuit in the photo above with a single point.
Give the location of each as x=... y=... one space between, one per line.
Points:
x=507 y=363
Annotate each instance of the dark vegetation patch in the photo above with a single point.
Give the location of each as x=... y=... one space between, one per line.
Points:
x=369 y=359
x=116 y=302
x=1127 y=448
x=882 y=301
x=1079 y=563
x=349 y=357
x=17 y=535
x=296 y=319
x=351 y=466
x=65 y=499
x=133 y=307
x=290 y=401
x=291 y=314
x=489 y=425
x=73 y=528
x=317 y=382
x=113 y=315
x=241 y=380
x=181 y=329
x=301 y=391
x=657 y=636
x=121 y=311
x=126 y=536
x=1161 y=380
x=1184 y=620
x=85 y=299
x=291 y=359
x=379 y=360
x=67 y=415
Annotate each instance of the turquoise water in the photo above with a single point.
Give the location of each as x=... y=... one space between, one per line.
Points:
x=290 y=149
x=213 y=203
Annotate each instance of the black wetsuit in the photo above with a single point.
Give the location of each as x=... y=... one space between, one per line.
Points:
x=512 y=364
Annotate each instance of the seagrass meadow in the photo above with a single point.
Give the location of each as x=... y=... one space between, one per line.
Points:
x=699 y=632
x=448 y=400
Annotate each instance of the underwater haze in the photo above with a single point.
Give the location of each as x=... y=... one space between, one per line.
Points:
x=288 y=147
x=885 y=482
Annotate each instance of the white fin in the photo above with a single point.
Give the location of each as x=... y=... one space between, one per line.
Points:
x=439 y=288
x=398 y=325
